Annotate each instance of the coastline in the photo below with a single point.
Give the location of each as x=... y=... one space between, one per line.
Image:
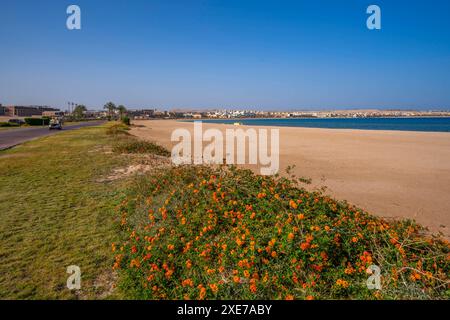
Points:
x=398 y=174
x=284 y=122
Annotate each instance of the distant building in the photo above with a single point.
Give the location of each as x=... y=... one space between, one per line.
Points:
x=53 y=113
x=192 y=115
x=94 y=114
x=141 y=114
x=27 y=111
x=2 y=110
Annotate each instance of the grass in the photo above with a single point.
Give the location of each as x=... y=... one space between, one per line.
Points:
x=8 y=126
x=54 y=214
x=224 y=233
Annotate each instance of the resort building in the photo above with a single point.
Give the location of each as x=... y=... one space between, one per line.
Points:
x=53 y=113
x=27 y=111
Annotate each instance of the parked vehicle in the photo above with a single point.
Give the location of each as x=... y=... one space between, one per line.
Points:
x=16 y=121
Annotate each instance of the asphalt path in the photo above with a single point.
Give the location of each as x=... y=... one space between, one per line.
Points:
x=12 y=137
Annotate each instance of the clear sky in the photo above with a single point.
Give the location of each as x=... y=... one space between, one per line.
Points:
x=231 y=53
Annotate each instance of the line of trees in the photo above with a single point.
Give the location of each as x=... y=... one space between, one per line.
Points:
x=112 y=108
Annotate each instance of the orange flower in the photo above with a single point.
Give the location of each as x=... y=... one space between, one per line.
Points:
x=366 y=257
x=309 y=298
x=293 y=204
x=342 y=283
x=304 y=246
x=300 y=216
x=236 y=279
x=291 y=236
x=214 y=287
x=168 y=273
x=354 y=239
x=202 y=293
x=170 y=247
x=289 y=297
x=274 y=254
x=349 y=270
x=135 y=263
x=188 y=264
x=415 y=276
x=187 y=283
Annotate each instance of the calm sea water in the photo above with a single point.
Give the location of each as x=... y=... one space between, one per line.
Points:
x=402 y=124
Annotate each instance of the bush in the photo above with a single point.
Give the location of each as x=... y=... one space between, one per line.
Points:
x=118 y=128
x=126 y=120
x=203 y=233
x=8 y=124
x=139 y=146
x=37 y=121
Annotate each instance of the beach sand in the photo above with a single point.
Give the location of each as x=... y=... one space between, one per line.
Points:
x=394 y=174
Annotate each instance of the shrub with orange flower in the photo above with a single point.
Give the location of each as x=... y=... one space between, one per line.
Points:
x=247 y=242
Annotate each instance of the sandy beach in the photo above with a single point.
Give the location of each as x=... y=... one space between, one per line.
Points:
x=396 y=174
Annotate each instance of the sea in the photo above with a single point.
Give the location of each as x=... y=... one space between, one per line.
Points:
x=430 y=124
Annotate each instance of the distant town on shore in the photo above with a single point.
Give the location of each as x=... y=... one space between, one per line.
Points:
x=153 y=113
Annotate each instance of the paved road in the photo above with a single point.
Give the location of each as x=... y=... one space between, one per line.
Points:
x=12 y=137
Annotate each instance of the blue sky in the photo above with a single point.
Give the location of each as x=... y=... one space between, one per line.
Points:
x=231 y=53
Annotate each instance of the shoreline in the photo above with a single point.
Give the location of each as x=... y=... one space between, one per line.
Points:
x=394 y=174
x=220 y=121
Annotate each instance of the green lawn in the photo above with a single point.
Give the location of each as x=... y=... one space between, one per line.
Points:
x=54 y=213
x=9 y=128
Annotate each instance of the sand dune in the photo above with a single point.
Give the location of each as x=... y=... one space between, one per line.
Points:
x=388 y=173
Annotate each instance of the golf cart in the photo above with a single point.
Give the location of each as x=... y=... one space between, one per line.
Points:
x=55 y=123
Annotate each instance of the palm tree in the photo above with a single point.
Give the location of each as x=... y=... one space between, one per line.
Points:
x=122 y=110
x=79 y=111
x=110 y=107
